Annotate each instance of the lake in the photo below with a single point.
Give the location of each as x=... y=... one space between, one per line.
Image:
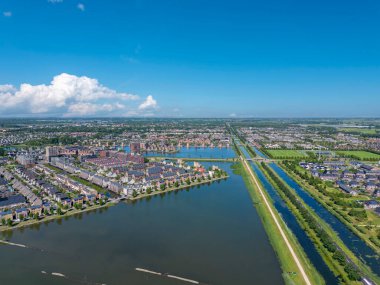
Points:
x=194 y=152
x=210 y=233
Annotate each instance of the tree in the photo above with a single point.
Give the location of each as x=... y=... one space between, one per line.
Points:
x=352 y=272
x=339 y=256
x=21 y=217
x=162 y=187
x=3 y=221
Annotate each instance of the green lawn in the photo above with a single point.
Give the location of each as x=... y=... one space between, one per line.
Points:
x=276 y=153
x=359 y=154
x=88 y=183
x=359 y=130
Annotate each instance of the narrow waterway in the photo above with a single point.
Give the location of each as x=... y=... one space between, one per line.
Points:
x=211 y=234
x=292 y=223
x=351 y=240
x=294 y=226
x=259 y=153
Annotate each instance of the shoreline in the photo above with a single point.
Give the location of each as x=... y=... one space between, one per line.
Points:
x=109 y=204
x=181 y=187
x=54 y=217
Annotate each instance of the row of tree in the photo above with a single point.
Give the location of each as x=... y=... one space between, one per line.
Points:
x=312 y=222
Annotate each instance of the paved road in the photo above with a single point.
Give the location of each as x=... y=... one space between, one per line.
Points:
x=299 y=265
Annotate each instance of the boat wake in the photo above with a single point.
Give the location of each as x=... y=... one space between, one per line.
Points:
x=71 y=279
x=167 y=275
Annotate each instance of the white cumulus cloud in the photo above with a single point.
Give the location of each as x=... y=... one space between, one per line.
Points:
x=7 y=14
x=148 y=104
x=69 y=95
x=86 y=109
x=81 y=6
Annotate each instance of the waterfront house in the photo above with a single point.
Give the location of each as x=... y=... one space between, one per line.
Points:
x=78 y=200
x=7 y=215
x=90 y=198
x=35 y=210
x=46 y=206
x=21 y=213
x=66 y=202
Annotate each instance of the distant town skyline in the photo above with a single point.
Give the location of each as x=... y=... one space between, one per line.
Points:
x=237 y=59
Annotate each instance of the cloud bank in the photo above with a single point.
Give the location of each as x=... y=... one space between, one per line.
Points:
x=71 y=95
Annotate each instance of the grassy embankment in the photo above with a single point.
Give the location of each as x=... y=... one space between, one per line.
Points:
x=288 y=265
x=326 y=255
x=366 y=233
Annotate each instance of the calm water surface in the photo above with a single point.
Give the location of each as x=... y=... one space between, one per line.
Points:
x=211 y=234
x=196 y=152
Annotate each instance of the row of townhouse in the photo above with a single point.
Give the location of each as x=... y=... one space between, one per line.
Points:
x=87 y=175
x=27 y=192
x=12 y=201
x=5 y=173
x=23 y=189
x=64 y=165
x=24 y=212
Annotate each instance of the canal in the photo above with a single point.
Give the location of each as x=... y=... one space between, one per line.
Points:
x=210 y=233
x=351 y=240
x=292 y=223
x=259 y=153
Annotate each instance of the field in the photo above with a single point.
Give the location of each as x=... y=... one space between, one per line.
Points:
x=360 y=154
x=278 y=153
x=359 y=130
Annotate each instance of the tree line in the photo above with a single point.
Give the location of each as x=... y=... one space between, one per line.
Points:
x=328 y=243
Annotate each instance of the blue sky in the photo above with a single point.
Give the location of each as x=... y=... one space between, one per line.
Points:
x=190 y=58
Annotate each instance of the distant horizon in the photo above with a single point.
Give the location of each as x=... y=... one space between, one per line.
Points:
x=190 y=118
